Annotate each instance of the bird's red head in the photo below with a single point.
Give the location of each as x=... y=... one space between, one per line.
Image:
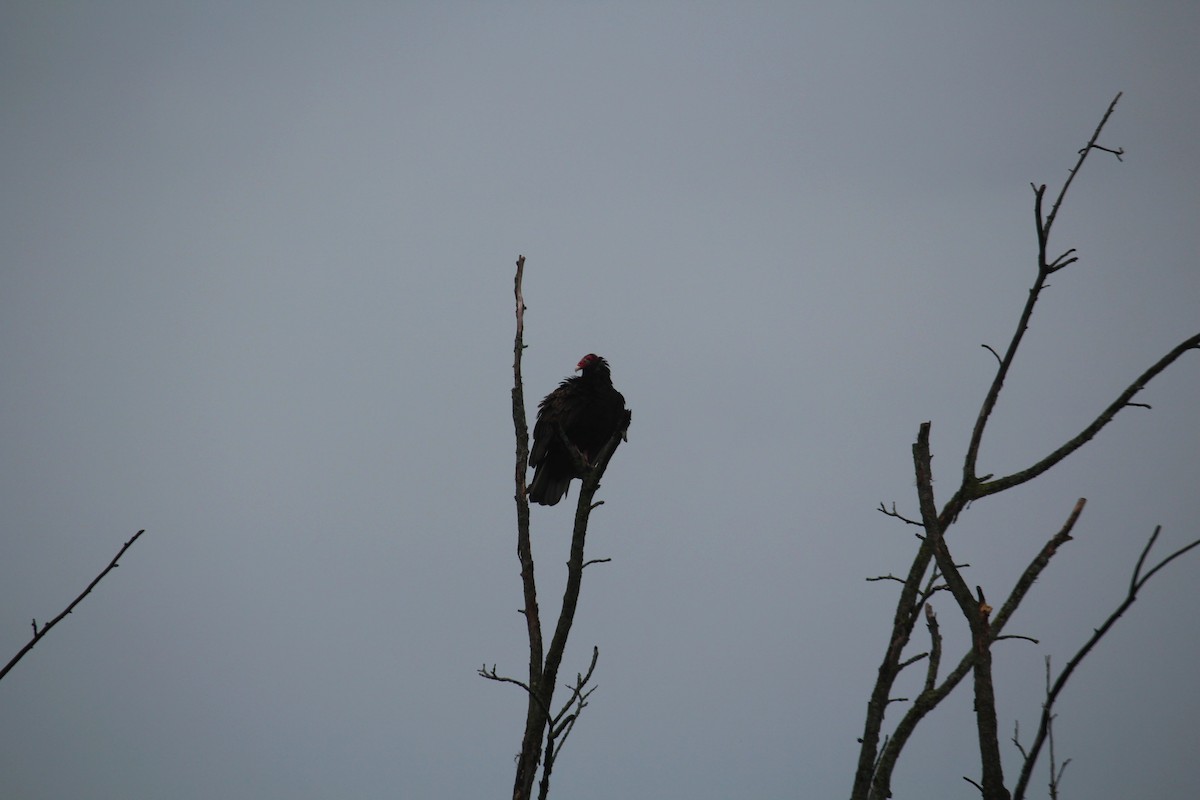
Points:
x=587 y=361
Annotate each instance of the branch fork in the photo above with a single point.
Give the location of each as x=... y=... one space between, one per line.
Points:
x=879 y=753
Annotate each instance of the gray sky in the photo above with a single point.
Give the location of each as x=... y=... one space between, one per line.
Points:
x=256 y=298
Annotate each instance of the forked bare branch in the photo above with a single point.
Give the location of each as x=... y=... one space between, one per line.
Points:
x=872 y=780
x=1136 y=582
x=1045 y=268
x=545 y=661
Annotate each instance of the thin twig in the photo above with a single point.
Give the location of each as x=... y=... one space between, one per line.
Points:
x=1016 y=636
x=1083 y=154
x=1016 y=738
x=38 y=633
x=492 y=675
x=1056 y=771
x=562 y=724
x=897 y=515
x=1120 y=151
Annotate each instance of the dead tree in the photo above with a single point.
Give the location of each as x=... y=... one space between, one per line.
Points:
x=546 y=726
x=934 y=569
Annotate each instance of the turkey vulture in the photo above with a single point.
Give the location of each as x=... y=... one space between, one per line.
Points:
x=590 y=412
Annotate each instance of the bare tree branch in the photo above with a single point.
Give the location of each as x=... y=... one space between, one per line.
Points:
x=929 y=699
x=492 y=675
x=544 y=662
x=975 y=610
x=1045 y=268
x=1084 y=436
x=537 y=710
x=870 y=757
x=1015 y=636
x=583 y=510
x=897 y=515
x=1039 y=563
x=564 y=722
x=1056 y=770
x=1083 y=154
x=872 y=779
x=1136 y=582
x=38 y=633
x=1016 y=738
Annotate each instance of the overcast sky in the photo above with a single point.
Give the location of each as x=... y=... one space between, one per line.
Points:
x=256 y=297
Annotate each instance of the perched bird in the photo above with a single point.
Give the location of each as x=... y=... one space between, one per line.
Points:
x=590 y=412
